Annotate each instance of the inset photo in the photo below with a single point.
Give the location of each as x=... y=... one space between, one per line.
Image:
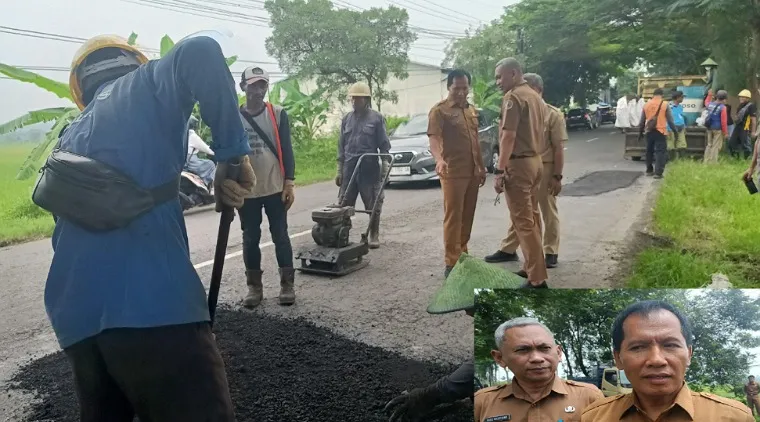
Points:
x=628 y=355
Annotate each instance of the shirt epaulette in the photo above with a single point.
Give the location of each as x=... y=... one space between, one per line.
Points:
x=551 y=107
x=490 y=389
x=722 y=400
x=603 y=402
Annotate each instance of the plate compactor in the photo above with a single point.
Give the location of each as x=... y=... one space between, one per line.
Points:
x=335 y=254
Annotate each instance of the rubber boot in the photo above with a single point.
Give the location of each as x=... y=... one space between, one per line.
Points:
x=374 y=234
x=255 y=288
x=287 y=282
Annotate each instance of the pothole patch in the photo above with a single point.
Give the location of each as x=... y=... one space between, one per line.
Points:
x=278 y=370
x=599 y=182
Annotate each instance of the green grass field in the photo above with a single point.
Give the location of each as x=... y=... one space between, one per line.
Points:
x=21 y=220
x=713 y=222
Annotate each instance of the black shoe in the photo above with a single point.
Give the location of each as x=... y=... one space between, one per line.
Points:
x=500 y=256
x=522 y=273
x=447 y=271
x=551 y=260
x=658 y=176
x=650 y=173
x=527 y=285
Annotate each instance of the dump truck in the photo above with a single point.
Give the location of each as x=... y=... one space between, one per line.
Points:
x=693 y=87
x=611 y=380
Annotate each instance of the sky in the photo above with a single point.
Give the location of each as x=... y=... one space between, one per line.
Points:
x=40 y=20
x=754 y=363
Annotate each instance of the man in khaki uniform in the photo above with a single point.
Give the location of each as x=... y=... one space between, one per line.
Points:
x=453 y=134
x=752 y=389
x=555 y=133
x=652 y=342
x=519 y=170
x=536 y=393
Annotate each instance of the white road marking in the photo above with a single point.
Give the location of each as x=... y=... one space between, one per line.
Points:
x=240 y=252
x=592 y=139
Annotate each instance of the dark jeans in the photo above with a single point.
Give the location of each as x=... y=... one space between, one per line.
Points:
x=250 y=222
x=367 y=184
x=657 y=151
x=162 y=374
x=740 y=144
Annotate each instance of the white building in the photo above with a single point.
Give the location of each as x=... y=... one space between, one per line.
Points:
x=425 y=86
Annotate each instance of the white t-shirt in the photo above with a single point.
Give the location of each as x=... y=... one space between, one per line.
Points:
x=196 y=144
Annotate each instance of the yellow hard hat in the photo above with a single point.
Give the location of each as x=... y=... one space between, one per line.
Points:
x=89 y=47
x=359 y=89
x=745 y=93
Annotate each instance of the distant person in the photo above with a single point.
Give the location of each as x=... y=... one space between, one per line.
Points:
x=676 y=138
x=520 y=167
x=654 y=121
x=202 y=167
x=751 y=390
x=528 y=349
x=635 y=108
x=362 y=131
x=553 y=157
x=622 y=113
x=652 y=342
x=268 y=129
x=741 y=138
x=716 y=124
x=454 y=143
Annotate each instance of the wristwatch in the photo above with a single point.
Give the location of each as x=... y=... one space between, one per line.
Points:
x=558 y=177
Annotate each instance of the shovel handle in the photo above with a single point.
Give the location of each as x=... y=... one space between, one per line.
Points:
x=228 y=215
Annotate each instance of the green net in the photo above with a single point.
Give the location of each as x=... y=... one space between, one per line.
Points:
x=470 y=273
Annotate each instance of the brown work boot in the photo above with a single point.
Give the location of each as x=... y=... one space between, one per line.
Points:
x=287 y=280
x=255 y=288
x=374 y=234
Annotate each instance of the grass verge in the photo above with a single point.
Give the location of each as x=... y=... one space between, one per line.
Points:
x=21 y=220
x=706 y=223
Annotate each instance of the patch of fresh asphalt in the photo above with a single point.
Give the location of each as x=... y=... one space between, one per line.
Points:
x=384 y=304
x=599 y=182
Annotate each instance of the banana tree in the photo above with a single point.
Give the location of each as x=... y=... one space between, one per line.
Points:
x=61 y=116
x=487 y=97
x=307 y=112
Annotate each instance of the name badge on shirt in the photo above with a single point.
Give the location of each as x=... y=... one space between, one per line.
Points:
x=499 y=418
x=569 y=409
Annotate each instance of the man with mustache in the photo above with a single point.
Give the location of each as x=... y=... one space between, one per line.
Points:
x=652 y=343
x=536 y=393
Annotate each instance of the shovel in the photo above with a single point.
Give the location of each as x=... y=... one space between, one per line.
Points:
x=228 y=215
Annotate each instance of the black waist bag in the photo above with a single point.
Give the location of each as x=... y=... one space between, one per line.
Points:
x=94 y=195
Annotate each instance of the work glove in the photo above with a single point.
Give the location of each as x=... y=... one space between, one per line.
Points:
x=288 y=194
x=412 y=406
x=338 y=178
x=386 y=167
x=232 y=193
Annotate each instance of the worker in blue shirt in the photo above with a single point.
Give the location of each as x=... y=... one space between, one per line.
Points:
x=126 y=305
x=676 y=137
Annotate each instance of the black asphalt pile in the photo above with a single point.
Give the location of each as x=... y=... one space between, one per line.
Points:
x=278 y=369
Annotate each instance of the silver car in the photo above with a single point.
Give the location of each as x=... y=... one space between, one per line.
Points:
x=410 y=147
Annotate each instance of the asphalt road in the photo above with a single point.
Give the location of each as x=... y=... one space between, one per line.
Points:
x=383 y=304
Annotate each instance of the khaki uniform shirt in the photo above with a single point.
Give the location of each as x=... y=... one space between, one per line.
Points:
x=565 y=401
x=524 y=112
x=688 y=407
x=752 y=389
x=555 y=133
x=458 y=128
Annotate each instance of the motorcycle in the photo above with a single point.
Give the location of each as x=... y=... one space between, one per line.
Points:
x=193 y=192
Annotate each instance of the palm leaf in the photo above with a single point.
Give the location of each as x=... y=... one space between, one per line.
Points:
x=33 y=117
x=132 y=39
x=231 y=60
x=31 y=164
x=166 y=45
x=58 y=88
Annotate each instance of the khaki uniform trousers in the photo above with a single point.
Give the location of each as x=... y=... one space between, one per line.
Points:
x=549 y=214
x=715 y=139
x=522 y=193
x=460 y=196
x=754 y=404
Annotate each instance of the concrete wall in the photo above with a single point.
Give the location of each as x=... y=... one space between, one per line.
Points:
x=425 y=86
